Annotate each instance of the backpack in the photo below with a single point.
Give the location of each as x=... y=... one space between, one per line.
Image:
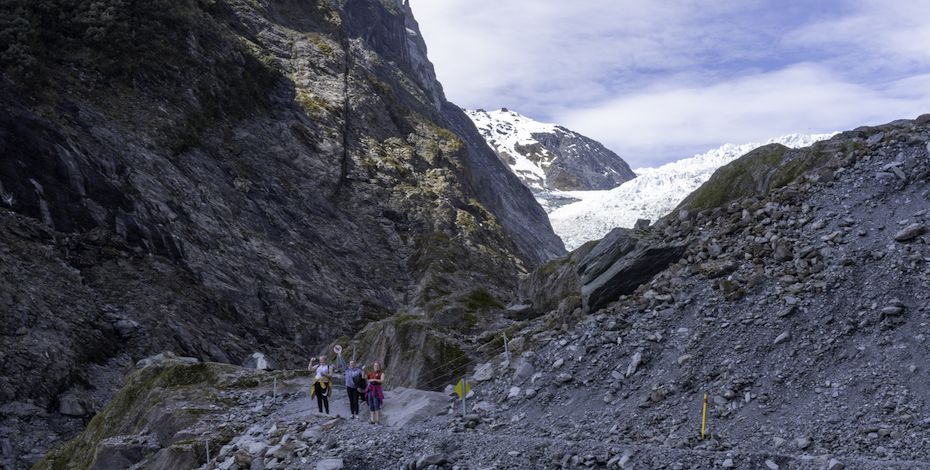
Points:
x=360 y=382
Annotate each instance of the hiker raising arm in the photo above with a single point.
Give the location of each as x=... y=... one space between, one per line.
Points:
x=353 y=376
x=321 y=385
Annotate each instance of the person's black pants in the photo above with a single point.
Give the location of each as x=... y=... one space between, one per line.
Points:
x=353 y=399
x=322 y=396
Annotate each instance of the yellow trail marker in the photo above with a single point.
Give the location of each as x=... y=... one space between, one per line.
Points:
x=462 y=388
x=704 y=417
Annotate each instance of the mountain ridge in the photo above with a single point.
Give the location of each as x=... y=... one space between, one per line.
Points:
x=547 y=156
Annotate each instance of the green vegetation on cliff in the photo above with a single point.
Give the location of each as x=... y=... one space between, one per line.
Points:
x=742 y=177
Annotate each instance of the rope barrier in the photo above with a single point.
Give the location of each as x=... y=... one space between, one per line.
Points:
x=455 y=370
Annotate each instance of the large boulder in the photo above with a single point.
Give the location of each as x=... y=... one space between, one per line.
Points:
x=621 y=262
x=121 y=452
x=554 y=283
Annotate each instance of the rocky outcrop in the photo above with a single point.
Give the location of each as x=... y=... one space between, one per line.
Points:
x=774 y=166
x=554 y=286
x=582 y=163
x=217 y=178
x=620 y=263
x=597 y=274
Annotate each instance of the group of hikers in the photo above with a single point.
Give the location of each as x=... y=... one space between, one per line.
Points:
x=359 y=385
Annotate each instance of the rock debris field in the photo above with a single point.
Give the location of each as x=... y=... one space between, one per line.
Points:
x=803 y=311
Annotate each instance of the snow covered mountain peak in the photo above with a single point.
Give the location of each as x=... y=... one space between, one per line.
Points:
x=547 y=156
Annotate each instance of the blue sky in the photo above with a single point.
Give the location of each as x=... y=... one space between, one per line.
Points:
x=660 y=80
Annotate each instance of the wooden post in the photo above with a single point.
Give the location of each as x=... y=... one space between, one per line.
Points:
x=704 y=417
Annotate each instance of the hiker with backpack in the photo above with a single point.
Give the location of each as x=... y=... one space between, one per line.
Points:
x=321 y=383
x=374 y=393
x=355 y=383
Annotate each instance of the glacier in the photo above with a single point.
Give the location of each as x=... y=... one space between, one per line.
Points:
x=652 y=194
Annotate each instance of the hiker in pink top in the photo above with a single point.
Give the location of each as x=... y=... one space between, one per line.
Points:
x=375 y=393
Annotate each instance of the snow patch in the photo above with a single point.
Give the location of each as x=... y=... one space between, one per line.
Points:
x=505 y=130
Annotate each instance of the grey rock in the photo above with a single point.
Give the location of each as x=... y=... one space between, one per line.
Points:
x=242 y=460
x=431 y=459
x=625 y=461
x=802 y=443
x=312 y=435
x=892 y=310
x=641 y=224
x=783 y=252
x=910 y=232
x=634 y=363
x=484 y=372
x=516 y=344
x=771 y=465
x=717 y=268
x=282 y=451
x=126 y=327
x=71 y=405
x=523 y=369
x=563 y=377
x=120 y=452
x=329 y=464
x=621 y=262
x=163 y=358
x=875 y=138
x=784 y=337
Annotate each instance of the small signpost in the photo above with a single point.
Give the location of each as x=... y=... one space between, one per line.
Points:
x=337 y=349
x=461 y=389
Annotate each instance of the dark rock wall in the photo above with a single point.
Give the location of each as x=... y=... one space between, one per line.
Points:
x=285 y=174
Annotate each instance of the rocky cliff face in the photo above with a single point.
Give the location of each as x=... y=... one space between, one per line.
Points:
x=550 y=157
x=800 y=305
x=219 y=177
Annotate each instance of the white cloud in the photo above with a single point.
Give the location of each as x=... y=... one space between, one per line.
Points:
x=661 y=80
x=875 y=36
x=491 y=53
x=669 y=123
